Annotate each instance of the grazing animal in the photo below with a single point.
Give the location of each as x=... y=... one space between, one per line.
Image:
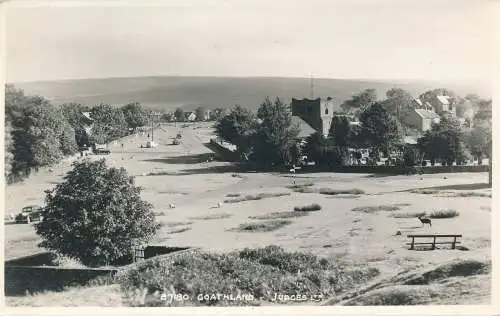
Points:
x=171 y=205
x=425 y=221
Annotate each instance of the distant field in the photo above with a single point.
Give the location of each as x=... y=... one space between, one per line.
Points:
x=190 y=92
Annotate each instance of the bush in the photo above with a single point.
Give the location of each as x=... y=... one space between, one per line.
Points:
x=408 y=215
x=96 y=215
x=259 y=196
x=307 y=208
x=374 y=209
x=276 y=215
x=444 y=214
x=260 y=272
x=329 y=191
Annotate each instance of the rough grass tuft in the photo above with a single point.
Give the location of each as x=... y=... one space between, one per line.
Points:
x=424 y=191
x=233 y=195
x=298 y=186
x=471 y=194
x=408 y=214
x=178 y=230
x=444 y=214
x=307 y=208
x=375 y=209
x=278 y=215
x=454 y=269
x=211 y=216
x=265 y=226
x=329 y=191
x=394 y=295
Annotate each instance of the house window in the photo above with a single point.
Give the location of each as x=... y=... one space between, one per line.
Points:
x=326 y=111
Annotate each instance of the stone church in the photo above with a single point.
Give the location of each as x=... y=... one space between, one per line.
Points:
x=318 y=113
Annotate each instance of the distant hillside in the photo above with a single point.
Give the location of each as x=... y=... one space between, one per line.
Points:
x=169 y=93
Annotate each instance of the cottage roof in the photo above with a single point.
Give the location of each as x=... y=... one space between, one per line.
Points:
x=426 y=114
x=418 y=101
x=444 y=99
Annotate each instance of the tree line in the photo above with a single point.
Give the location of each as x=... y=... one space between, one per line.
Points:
x=269 y=137
x=39 y=133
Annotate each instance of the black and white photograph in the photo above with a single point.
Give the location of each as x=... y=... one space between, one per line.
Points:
x=264 y=154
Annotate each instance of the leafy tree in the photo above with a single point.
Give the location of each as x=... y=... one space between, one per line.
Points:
x=109 y=123
x=73 y=113
x=379 y=129
x=8 y=149
x=96 y=215
x=399 y=104
x=341 y=134
x=360 y=100
x=237 y=128
x=315 y=147
x=200 y=113
x=179 y=115
x=135 y=115
x=37 y=136
x=484 y=110
x=341 y=131
x=276 y=135
x=218 y=113
x=445 y=141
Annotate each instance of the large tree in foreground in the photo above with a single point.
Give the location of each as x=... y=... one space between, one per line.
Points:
x=96 y=215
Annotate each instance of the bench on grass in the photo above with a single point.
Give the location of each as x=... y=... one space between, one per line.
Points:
x=434 y=242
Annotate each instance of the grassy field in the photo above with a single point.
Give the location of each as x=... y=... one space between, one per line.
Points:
x=259 y=211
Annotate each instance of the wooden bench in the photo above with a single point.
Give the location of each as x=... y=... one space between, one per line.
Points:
x=434 y=242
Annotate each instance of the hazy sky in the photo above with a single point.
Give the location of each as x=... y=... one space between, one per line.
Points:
x=400 y=39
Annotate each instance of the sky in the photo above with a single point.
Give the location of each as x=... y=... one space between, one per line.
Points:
x=371 y=39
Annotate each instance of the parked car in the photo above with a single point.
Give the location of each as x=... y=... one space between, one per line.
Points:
x=31 y=213
x=101 y=151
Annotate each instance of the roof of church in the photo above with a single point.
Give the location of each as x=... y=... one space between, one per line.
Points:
x=305 y=130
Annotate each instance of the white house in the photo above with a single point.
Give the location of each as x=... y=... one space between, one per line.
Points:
x=190 y=116
x=423 y=119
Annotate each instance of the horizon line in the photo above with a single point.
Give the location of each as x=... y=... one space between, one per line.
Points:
x=308 y=77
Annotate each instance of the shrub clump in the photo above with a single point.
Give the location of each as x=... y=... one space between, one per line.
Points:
x=409 y=214
x=256 y=273
x=449 y=270
x=259 y=196
x=276 y=215
x=266 y=226
x=444 y=214
x=212 y=216
x=374 y=209
x=307 y=208
x=329 y=191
